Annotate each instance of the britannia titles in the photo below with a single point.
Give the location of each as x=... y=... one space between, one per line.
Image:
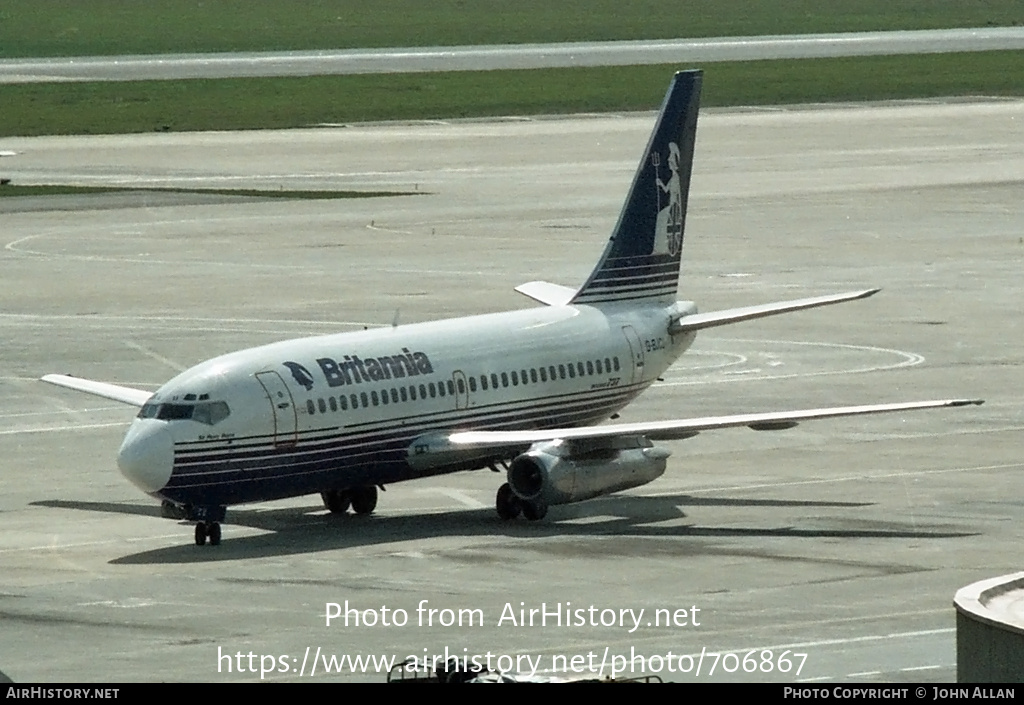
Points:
x=355 y=370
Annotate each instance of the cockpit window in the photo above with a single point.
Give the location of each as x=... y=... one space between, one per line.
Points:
x=209 y=413
x=175 y=412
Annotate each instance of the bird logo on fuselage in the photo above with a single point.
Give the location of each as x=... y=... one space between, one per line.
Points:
x=301 y=374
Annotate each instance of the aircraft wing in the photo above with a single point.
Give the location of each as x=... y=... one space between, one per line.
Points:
x=698 y=321
x=684 y=428
x=125 y=395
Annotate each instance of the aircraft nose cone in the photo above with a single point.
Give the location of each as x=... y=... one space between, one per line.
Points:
x=147 y=455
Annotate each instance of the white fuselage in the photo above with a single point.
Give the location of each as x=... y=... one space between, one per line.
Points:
x=331 y=412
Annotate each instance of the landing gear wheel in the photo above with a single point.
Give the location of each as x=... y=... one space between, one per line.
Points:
x=213 y=530
x=337 y=501
x=364 y=499
x=206 y=530
x=508 y=505
x=535 y=511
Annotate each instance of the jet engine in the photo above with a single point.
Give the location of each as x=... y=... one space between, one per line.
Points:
x=559 y=472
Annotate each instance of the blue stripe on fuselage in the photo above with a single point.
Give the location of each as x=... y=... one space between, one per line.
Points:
x=223 y=475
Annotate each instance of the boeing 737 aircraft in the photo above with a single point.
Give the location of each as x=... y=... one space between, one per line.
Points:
x=342 y=415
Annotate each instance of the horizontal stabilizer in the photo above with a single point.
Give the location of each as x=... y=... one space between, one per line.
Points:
x=125 y=395
x=547 y=293
x=684 y=428
x=698 y=321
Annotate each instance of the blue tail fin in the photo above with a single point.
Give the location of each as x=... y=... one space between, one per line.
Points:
x=641 y=261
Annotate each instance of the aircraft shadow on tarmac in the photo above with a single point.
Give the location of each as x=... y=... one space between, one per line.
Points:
x=150 y=510
x=300 y=530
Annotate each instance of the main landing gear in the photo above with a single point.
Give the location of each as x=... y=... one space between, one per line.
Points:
x=363 y=500
x=509 y=506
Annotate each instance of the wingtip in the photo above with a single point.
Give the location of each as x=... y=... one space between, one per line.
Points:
x=967 y=402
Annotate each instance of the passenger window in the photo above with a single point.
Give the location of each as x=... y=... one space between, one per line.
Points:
x=598 y=366
x=572 y=371
x=522 y=375
x=384 y=396
x=440 y=389
x=616 y=361
x=579 y=368
x=504 y=379
x=423 y=391
x=533 y=375
x=461 y=384
x=494 y=380
x=607 y=365
x=374 y=398
x=515 y=379
x=355 y=401
x=543 y=375
x=405 y=397
x=433 y=390
x=561 y=371
x=333 y=403
x=364 y=399
x=483 y=382
x=590 y=367
x=343 y=403
x=412 y=392
x=310 y=408
x=451 y=388
x=394 y=395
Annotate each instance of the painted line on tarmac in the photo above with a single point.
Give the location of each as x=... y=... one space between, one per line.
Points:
x=910 y=359
x=459 y=496
x=177 y=367
x=53 y=429
x=850 y=478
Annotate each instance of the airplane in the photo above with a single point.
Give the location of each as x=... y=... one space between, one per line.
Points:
x=343 y=414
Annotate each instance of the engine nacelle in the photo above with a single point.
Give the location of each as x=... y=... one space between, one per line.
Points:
x=559 y=473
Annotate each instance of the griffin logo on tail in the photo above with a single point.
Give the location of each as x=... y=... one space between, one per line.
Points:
x=668 y=234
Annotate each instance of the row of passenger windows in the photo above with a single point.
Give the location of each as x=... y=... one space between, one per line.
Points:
x=432 y=390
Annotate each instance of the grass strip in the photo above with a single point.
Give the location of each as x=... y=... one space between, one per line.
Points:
x=108 y=27
x=8 y=190
x=250 y=103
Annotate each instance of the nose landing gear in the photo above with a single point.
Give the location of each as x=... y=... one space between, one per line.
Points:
x=208 y=521
x=209 y=530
